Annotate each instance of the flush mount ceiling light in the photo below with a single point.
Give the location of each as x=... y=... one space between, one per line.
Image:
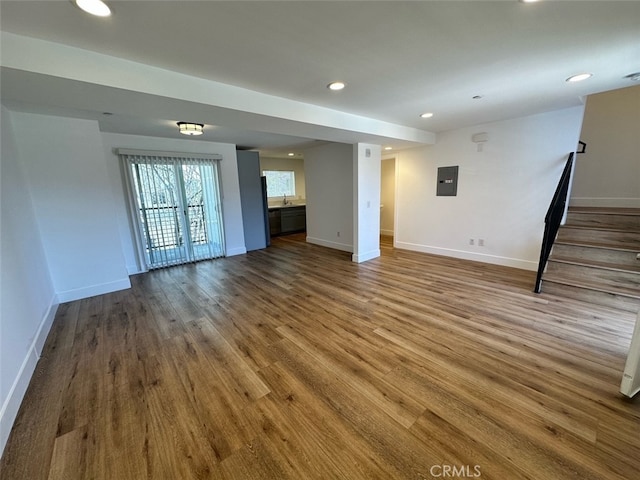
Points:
x=335 y=86
x=579 y=77
x=94 y=7
x=426 y=115
x=187 y=128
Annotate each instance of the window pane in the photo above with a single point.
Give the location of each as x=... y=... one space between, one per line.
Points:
x=280 y=183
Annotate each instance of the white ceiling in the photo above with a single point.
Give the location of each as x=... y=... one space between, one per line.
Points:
x=399 y=59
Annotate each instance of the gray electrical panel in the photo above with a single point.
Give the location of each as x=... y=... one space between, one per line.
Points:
x=447 y=182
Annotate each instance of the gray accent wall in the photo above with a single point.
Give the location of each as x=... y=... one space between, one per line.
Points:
x=253 y=201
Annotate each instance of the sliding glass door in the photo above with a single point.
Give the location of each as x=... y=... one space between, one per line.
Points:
x=177 y=208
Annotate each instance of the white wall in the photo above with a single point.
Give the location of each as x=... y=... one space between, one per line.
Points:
x=329 y=187
x=608 y=173
x=503 y=191
x=232 y=210
x=288 y=164
x=73 y=203
x=27 y=296
x=366 y=202
x=387 y=195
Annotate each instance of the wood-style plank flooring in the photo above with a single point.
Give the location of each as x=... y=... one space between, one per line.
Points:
x=295 y=363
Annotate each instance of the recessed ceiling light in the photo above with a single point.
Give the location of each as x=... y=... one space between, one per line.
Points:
x=578 y=78
x=529 y=1
x=388 y=148
x=335 y=86
x=634 y=77
x=94 y=7
x=426 y=115
x=476 y=97
x=291 y=154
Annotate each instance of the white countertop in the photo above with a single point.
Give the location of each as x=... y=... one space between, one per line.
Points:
x=277 y=207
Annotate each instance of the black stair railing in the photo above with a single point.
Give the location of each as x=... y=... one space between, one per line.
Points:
x=553 y=219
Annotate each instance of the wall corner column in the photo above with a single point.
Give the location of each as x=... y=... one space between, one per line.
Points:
x=366 y=202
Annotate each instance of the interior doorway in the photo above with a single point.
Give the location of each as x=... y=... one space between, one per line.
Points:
x=387 y=200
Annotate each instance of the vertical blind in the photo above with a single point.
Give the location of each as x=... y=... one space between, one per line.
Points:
x=176 y=207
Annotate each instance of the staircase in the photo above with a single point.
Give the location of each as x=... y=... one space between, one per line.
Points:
x=595 y=258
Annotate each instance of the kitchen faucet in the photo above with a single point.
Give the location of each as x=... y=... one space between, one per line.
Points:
x=284 y=201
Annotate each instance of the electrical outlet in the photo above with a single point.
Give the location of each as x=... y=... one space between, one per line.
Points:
x=481 y=242
x=471 y=241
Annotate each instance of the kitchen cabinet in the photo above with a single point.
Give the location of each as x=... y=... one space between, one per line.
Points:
x=283 y=220
x=275 y=225
x=294 y=219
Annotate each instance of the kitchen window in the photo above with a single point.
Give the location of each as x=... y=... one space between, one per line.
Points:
x=280 y=183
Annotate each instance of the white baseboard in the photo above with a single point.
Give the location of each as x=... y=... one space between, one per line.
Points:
x=363 y=257
x=326 y=243
x=45 y=327
x=9 y=409
x=134 y=270
x=604 y=202
x=465 y=255
x=388 y=233
x=235 y=251
x=93 y=290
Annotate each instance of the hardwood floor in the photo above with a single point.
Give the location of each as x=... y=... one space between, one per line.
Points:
x=295 y=363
